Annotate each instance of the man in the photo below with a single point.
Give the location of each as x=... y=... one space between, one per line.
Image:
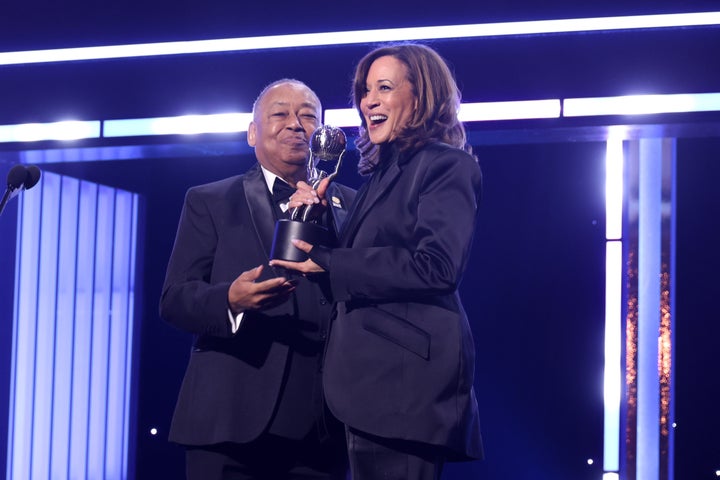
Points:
x=251 y=405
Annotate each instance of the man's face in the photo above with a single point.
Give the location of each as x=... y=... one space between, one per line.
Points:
x=285 y=118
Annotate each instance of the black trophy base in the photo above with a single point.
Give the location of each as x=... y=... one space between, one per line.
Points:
x=286 y=230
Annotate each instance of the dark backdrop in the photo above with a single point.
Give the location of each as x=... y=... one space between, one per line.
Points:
x=697 y=325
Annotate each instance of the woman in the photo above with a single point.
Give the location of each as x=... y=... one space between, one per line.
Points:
x=400 y=358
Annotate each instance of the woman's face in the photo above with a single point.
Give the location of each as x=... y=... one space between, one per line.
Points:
x=389 y=101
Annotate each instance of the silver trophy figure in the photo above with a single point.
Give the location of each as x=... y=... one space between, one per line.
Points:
x=327 y=147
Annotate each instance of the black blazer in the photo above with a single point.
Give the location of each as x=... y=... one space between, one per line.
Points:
x=400 y=358
x=232 y=382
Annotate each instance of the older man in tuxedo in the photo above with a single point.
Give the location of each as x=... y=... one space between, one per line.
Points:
x=251 y=403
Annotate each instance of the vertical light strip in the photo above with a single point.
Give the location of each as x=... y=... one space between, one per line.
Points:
x=672 y=225
x=613 y=302
x=45 y=381
x=63 y=328
x=613 y=355
x=614 y=165
x=99 y=364
x=649 y=270
x=120 y=322
x=84 y=287
x=19 y=458
x=45 y=296
x=65 y=314
x=132 y=220
x=72 y=345
x=667 y=289
x=631 y=313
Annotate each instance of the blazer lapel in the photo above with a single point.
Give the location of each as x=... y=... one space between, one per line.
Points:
x=370 y=193
x=261 y=211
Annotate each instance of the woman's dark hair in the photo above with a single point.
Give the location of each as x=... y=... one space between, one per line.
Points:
x=432 y=83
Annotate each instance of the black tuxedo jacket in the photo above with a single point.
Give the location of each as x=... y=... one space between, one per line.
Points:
x=232 y=383
x=400 y=358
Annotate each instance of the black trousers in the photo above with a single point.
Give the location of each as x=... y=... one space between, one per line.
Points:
x=376 y=458
x=269 y=458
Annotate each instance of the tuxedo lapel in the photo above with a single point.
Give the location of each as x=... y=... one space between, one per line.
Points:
x=378 y=188
x=261 y=210
x=352 y=219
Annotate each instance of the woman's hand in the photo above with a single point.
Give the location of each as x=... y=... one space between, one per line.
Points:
x=306 y=267
x=322 y=189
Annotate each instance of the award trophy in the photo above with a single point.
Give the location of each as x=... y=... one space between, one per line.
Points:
x=327 y=147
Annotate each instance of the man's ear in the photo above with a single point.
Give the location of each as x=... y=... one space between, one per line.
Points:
x=251 y=133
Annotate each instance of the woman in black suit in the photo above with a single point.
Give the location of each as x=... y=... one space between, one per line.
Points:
x=400 y=361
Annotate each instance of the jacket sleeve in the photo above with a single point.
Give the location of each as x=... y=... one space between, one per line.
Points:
x=189 y=301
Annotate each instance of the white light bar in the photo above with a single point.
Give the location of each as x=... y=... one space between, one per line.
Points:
x=35 y=132
x=237 y=122
x=182 y=125
x=342 y=117
x=469 y=112
x=614 y=168
x=484 y=111
x=364 y=36
x=613 y=374
x=641 y=104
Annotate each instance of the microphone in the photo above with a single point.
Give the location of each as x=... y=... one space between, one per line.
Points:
x=33 y=175
x=19 y=178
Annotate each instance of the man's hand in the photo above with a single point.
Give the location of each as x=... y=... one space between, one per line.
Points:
x=246 y=294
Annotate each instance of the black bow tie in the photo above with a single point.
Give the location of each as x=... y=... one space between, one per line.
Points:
x=281 y=190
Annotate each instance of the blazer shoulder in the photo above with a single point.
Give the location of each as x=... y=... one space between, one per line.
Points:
x=219 y=189
x=444 y=156
x=217 y=186
x=228 y=182
x=438 y=149
x=438 y=156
